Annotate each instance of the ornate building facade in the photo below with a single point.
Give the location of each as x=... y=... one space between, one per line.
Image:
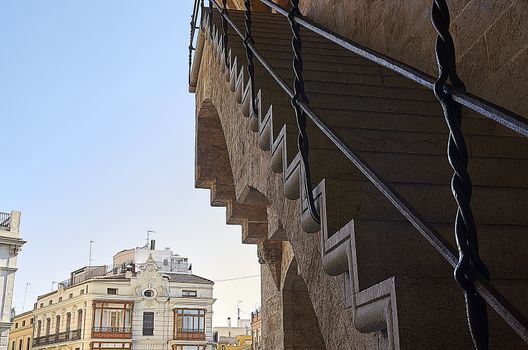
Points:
x=139 y=304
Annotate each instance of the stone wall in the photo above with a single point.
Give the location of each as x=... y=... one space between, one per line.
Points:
x=490 y=38
x=230 y=163
x=300 y=325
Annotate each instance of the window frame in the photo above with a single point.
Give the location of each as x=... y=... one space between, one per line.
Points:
x=187 y=293
x=189 y=333
x=148 y=331
x=122 y=331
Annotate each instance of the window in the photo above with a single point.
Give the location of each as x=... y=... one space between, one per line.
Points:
x=68 y=321
x=190 y=324
x=70 y=296
x=165 y=262
x=111 y=291
x=31 y=320
x=23 y=323
x=148 y=323
x=12 y=345
x=112 y=317
x=50 y=302
x=79 y=319
x=48 y=324
x=81 y=292
x=149 y=293
x=20 y=344
x=16 y=325
x=28 y=343
x=41 y=304
x=109 y=345
x=60 y=299
x=39 y=328
x=189 y=293
x=57 y=324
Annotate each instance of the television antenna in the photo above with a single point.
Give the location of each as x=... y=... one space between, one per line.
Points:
x=90 y=254
x=25 y=294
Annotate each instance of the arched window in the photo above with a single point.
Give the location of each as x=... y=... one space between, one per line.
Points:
x=79 y=319
x=48 y=325
x=39 y=328
x=57 y=324
x=68 y=321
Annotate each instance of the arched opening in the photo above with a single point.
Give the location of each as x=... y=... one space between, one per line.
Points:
x=301 y=330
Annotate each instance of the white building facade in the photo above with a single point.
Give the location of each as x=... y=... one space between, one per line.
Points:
x=10 y=244
x=141 y=308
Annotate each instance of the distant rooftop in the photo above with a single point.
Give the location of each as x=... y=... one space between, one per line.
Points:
x=181 y=278
x=166 y=259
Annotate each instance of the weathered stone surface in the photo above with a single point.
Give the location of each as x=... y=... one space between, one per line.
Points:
x=388 y=280
x=247 y=163
x=488 y=36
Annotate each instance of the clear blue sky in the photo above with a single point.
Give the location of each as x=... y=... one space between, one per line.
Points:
x=97 y=142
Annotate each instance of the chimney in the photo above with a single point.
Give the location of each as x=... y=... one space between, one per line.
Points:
x=152 y=244
x=229 y=322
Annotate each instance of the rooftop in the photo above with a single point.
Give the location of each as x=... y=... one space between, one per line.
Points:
x=184 y=278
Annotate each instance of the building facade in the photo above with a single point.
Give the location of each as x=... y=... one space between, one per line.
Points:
x=10 y=245
x=21 y=332
x=240 y=342
x=143 y=307
x=361 y=253
x=256 y=330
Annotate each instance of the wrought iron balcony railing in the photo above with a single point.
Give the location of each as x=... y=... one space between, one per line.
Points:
x=470 y=272
x=5 y=221
x=112 y=329
x=57 y=338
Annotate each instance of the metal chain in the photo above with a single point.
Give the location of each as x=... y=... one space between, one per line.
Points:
x=191 y=48
x=211 y=19
x=202 y=11
x=248 y=39
x=225 y=28
x=299 y=95
x=465 y=227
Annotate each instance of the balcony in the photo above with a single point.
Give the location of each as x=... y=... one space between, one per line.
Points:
x=5 y=221
x=57 y=338
x=112 y=332
x=189 y=334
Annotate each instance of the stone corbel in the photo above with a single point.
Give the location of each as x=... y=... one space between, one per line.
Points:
x=270 y=253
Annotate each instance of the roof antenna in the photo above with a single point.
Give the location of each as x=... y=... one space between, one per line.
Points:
x=25 y=294
x=90 y=254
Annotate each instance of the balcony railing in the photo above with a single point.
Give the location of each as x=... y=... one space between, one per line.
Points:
x=112 y=332
x=5 y=221
x=189 y=334
x=57 y=338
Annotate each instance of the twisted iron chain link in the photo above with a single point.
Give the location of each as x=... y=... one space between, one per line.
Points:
x=191 y=48
x=211 y=19
x=465 y=227
x=248 y=39
x=202 y=12
x=225 y=29
x=299 y=95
